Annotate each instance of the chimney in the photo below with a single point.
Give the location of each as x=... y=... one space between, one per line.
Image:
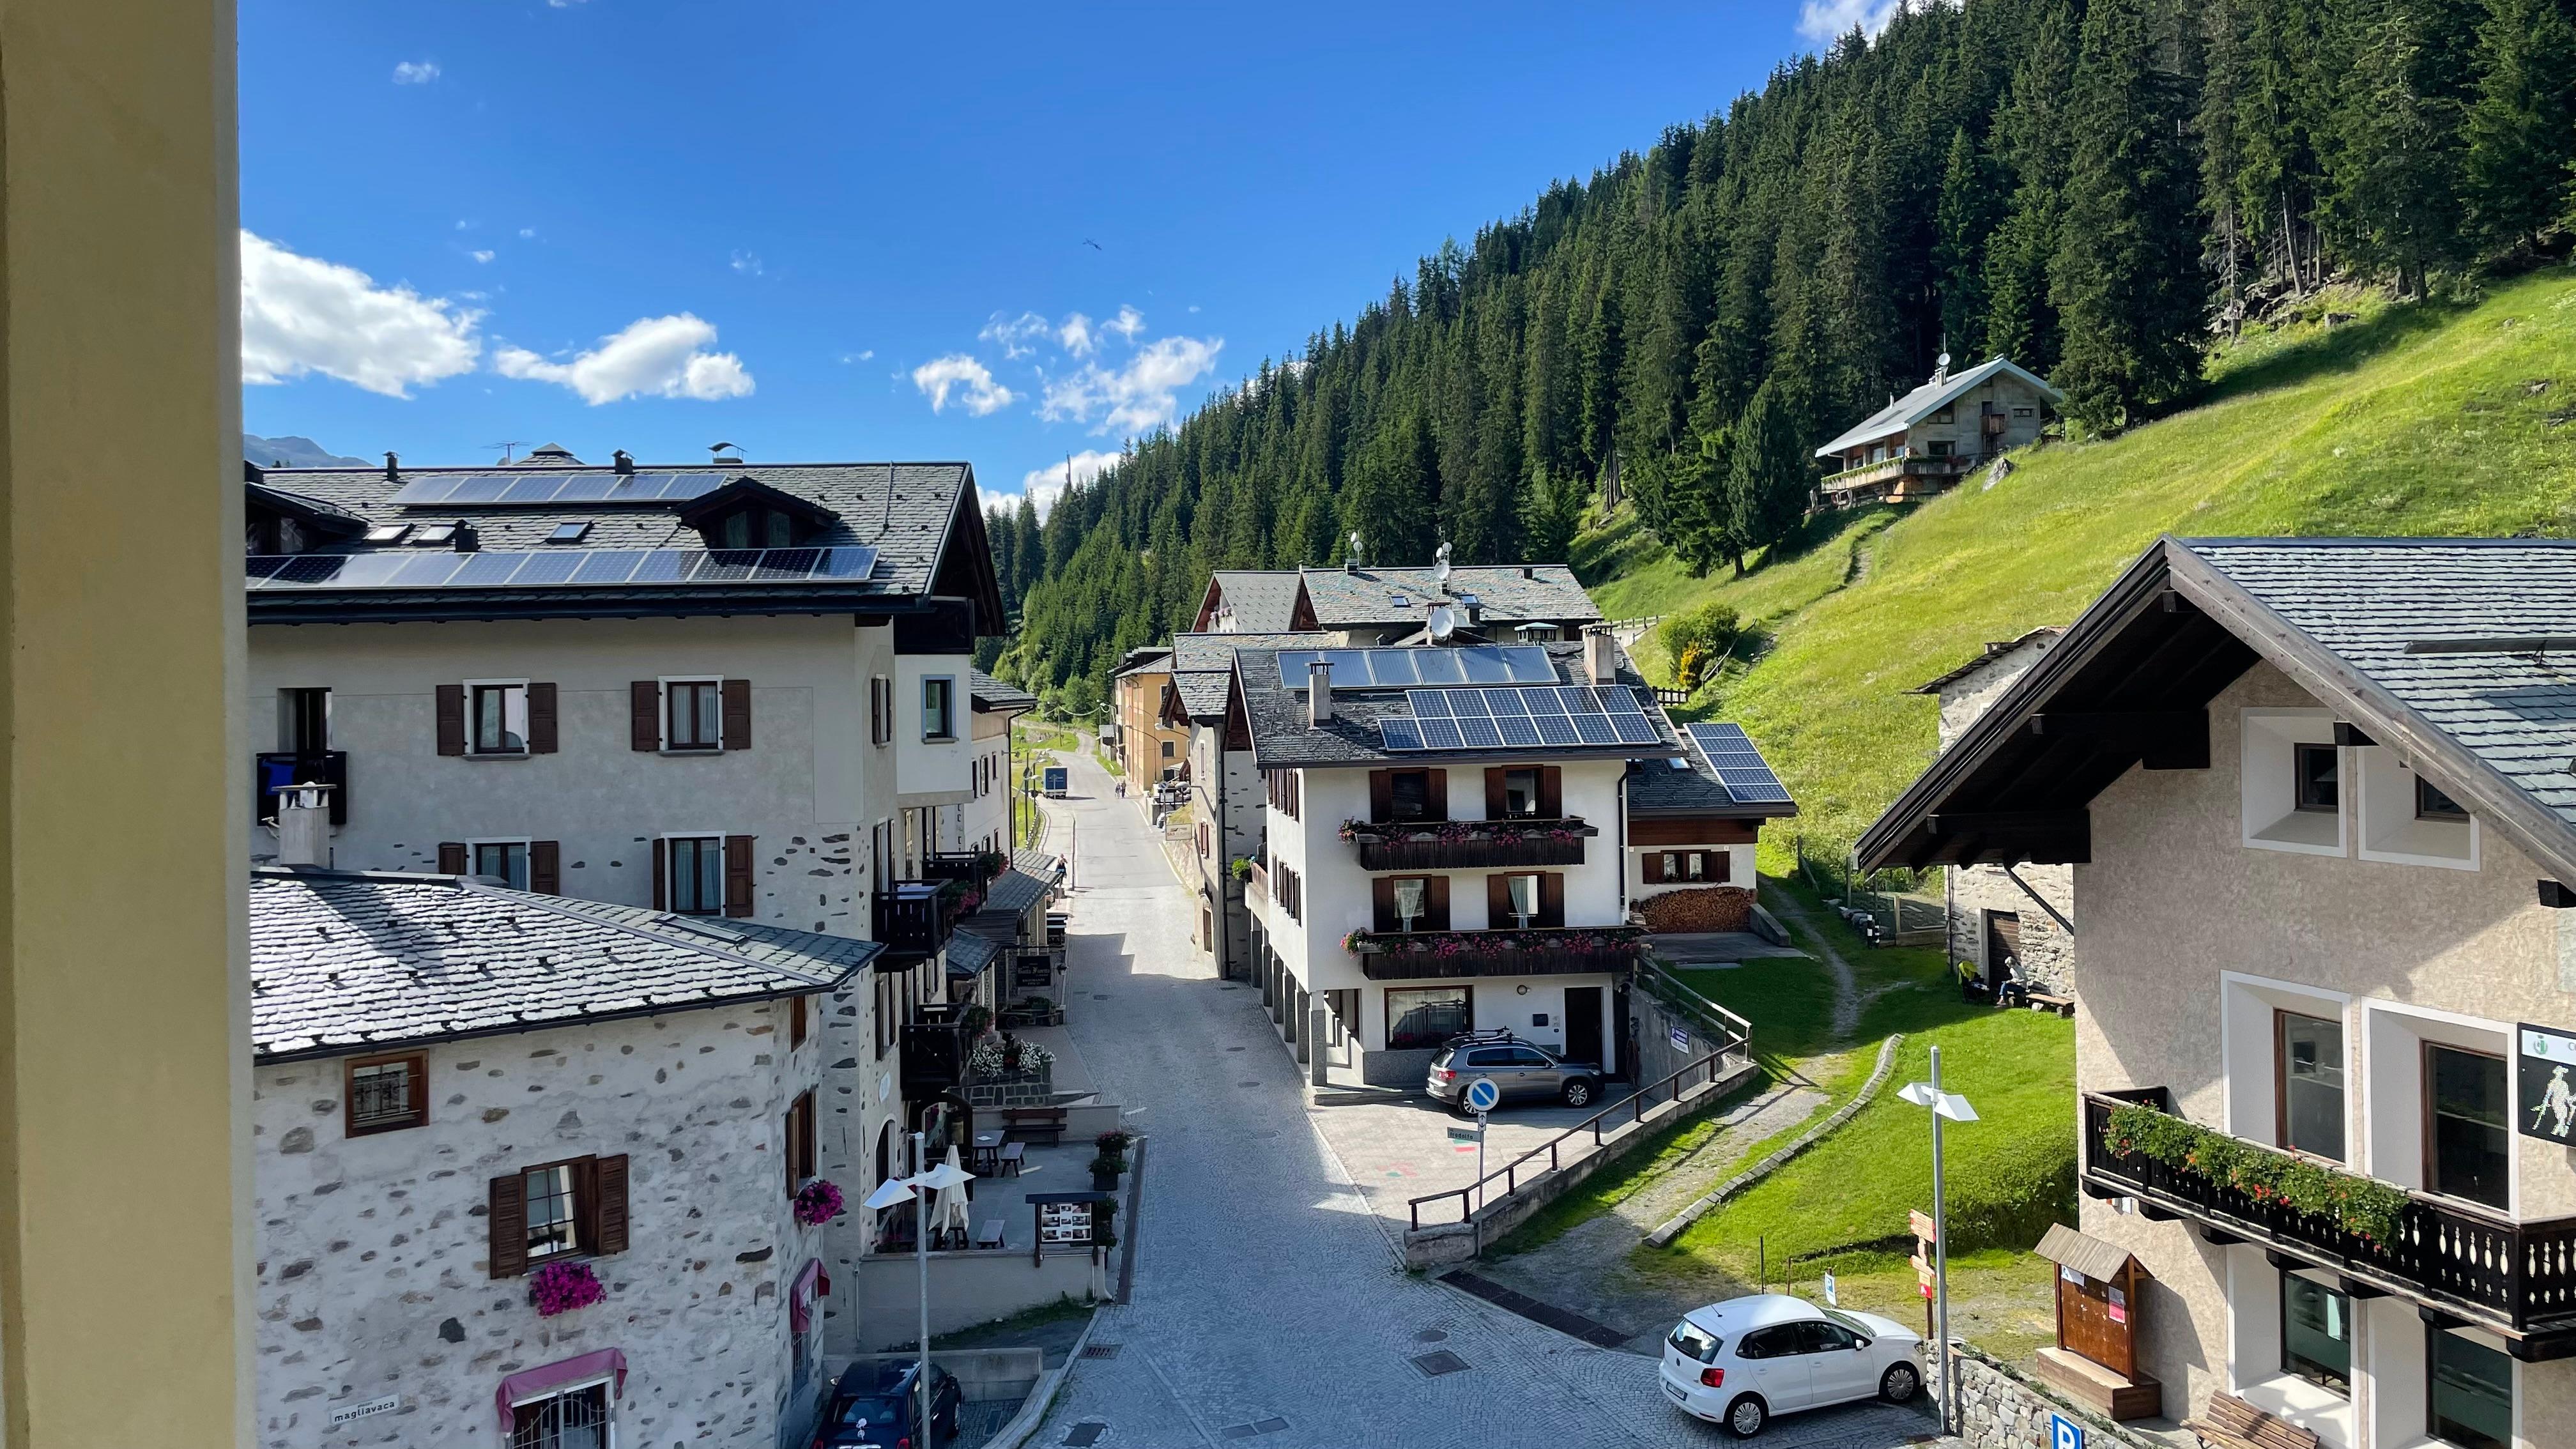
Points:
x=466 y=541
x=1527 y=572
x=304 y=825
x=393 y=469
x=1319 y=694
x=1351 y=564
x=625 y=461
x=1475 y=612
x=1600 y=658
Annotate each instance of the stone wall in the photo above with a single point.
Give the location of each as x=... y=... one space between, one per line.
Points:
x=2047 y=949
x=373 y=1276
x=1703 y=908
x=2004 y=1408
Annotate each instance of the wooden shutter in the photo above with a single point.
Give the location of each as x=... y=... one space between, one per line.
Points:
x=451 y=857
x=1494 y=794
x=1654 y=872
x=545 y=867
x=737 y=714
x=1498 y=901
x=608 y=1205
x=737 y=863
x=644 y=714
x=1435 y=904
x=1435 y=794
x=451 y=719
x=661 y=875
x=1551 y=792
x=795 y=1022
x=1551 y=898
x=508 y=1224
x=1381 y=795
x=541 y=719
x=1382 y=900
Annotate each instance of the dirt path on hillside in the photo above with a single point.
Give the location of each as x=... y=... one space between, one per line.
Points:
x=1847 y=998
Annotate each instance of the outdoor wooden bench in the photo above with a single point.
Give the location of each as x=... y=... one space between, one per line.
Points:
x=2231 y=1423
x=988 y=1234
x=1014 y=1154
x=1029 y=1124
x=2062 y=1005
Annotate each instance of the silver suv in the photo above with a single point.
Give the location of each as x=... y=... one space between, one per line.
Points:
x=1524 y=1071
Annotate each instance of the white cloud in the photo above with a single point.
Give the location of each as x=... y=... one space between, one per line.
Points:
x=1045 y=485
x=1076 y=336
x=1128 y=323
x=415 y=72
x=859 y=356
x=484 y=256
x=300 y=315
x=529 y=233
x=1016 y=336
x=1826 y=21
x=747 y=263
x=1139 y=396
x=659 y=356
x=973 y=383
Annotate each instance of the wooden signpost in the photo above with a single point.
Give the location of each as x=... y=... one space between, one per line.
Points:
x=1925 y=1236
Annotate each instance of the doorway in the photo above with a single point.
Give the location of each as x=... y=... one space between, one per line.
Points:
x=1583 y=1025
x=2003 y=943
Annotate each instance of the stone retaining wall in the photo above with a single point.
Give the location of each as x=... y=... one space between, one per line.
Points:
x=2004 y=1408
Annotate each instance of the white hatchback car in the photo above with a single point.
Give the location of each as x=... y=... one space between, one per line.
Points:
x=1739 y=1362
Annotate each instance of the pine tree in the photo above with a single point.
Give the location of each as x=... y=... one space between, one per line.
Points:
x=1769 y=477
x=2033 y=126
x=2521 y=133
x=2392 y=163
x=1970 y=193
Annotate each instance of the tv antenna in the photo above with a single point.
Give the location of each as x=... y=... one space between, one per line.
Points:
x=509 y=447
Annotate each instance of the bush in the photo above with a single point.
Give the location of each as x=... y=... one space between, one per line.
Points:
x=1113 y=1143
x=1698 y=640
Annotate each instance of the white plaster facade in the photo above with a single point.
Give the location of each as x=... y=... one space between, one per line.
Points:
x=983 y=820
x=374 y=1281
x=1225 y=788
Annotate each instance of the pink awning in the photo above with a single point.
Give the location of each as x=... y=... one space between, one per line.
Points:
x=810 y=1284
x=533 y=1383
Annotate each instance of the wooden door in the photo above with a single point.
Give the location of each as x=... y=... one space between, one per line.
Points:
x=2003 y=938
x=1583 y=1024
x=2086 y=1326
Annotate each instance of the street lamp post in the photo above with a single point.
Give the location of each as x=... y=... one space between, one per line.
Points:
x=893 y=1191
x=1956 y=1108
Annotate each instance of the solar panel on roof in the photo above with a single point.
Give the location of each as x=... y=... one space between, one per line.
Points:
x=1739 y=765
x=556 y=567
x=1523 y=717
x=1406 y=668
x=540 y=488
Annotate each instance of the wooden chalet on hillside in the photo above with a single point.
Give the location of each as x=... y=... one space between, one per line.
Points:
x=1924 y=442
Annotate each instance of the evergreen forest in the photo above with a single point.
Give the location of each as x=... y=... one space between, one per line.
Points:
x=2098 y=189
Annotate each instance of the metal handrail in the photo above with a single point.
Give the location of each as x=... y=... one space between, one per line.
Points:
x=1709 y=1012
x=1635 y=1105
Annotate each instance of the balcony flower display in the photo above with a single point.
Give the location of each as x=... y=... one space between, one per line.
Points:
x=1494 y=943
x=563 y=1287
x=1006 y=1055
x=817 y=1203
x=2360 y=1206
x=1515 y=828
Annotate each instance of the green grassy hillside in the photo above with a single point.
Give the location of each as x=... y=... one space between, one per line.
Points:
x=2399 y=419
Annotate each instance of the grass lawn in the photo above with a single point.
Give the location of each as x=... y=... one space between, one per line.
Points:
x=2412 y=419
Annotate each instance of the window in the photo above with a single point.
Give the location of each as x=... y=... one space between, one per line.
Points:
x=1409 y=795
x=1524 y=899
x=1944 y=414
x=1520 y=794
x=1816 y=1337
x=304 y=721
x=2471 y=1398
x=1672 y=864
x=2316 y=1334
x=796 y=1013
x=388 y=532
x=880 y=710
x=1779 y=1340
x=938 y=697
x=1941 y=449
x=435 y=535
x=569 y=532
x=2025 y=412
x=497 y=718
x=802 y=1151
x=2467 y=1145
x=1412 y=894
x=503 y=860
x=1290 y=892
x=696 y=886
x=2309 y=1072
x=1695 y=865
x=2432 y=804
x=572 y=1419
x=386 y=1094
x=1426 y=1016
x=889 y=1012
x=692 y=714
x=2313 y=776
x=1282 y=786
x=1167 y=749
x=553 y=1202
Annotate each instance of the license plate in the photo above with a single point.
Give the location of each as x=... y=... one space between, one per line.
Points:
x=1678 y=1396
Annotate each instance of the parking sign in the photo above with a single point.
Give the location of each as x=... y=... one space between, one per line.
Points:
x=1483 y=1095
x=2064 y=1433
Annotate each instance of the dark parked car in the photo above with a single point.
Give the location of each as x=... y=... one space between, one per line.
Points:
x=879 y=1404
x=1523 y=1070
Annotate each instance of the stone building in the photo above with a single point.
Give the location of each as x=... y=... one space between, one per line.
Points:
x=1924 y=442
x=457 y=1086
x=2005 y=918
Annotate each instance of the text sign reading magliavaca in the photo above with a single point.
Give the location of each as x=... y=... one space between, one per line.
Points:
x=2545 y=1107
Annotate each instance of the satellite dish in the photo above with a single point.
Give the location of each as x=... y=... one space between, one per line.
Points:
x=1444 y=621
x=1440 y=564
x=1944 y=362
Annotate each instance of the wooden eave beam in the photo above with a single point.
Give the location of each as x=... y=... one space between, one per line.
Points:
x=2163 y=739
x=2041 y=837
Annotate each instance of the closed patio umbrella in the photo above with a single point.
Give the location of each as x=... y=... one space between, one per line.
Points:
x=948 y=1212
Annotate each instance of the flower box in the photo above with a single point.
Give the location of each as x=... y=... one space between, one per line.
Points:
x=562 y=1287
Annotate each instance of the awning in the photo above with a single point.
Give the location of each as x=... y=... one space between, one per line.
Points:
x=970 y=954
x=538 y=1383
x=2095 y=1259
x=1015 y=892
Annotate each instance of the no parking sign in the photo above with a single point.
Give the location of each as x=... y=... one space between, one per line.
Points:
x=2064 y=1433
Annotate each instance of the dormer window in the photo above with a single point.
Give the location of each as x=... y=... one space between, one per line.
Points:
x=753 y=528
x=435 y=535
x=388 y=533
x=747 y=513
x=569 y=532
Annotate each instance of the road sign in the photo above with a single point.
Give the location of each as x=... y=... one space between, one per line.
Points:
x=1483 y=1095
x=1462 y=1134
x=2064 y=1433
x=1829 y=1290
x=1681 y=1040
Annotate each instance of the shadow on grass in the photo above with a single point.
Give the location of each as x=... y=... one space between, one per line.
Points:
x=1620 y=545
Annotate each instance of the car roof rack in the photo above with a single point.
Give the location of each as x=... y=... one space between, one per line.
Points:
x=1486 y=1038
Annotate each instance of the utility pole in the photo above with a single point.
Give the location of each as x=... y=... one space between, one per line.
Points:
x=1956 y=1108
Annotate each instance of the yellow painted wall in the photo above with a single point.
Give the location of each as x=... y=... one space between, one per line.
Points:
x=123 y=995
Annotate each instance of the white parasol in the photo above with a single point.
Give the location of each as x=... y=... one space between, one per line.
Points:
x=948 y=1210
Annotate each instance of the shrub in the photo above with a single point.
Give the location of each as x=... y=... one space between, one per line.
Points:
x=1698 y=641
x=1113 y=1143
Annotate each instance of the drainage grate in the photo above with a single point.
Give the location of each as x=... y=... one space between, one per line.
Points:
x=1101 y=1350
x=1271 y=1425
x=1085 y=1433
x=1438 y=1362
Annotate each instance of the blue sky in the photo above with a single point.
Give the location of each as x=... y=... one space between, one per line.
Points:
x=833 y=231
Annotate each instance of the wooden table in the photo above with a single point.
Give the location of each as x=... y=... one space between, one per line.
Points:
x=988 y=1153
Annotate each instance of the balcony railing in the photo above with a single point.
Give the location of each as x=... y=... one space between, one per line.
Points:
x=1256 y=883
x=276 y=770
x=1892 y=477
x=2483 y=1269
x=914 y=917
x=1531 y=951
x=976 y=868
x=1468 y=844
x=934 y=1057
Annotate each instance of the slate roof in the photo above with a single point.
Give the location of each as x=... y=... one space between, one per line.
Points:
x=1283 y=739
x=1147 y=660
x=1656 y=788
x=1995 y=649
x=1344 y=599
x=1043 y=864
x=989 y=693
x=906 y=511
x=346 y=961
x=1261 y=601
x=1915 y=406
x=1015 y=890
x=1203 y=664
x=970 y=951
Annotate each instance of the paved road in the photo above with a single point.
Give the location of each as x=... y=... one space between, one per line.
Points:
x=1268 y=1309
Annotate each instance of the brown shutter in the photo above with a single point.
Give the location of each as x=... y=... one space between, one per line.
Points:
x=608 y=1205
x=451 y=719
x=1494 y=795
x=1381 y=795
x=737 y=714
x=1551 y=898
x=1551 y=792
x=541 y=719
x=545 y=867
x=644 y=714
x=1435 y=794
x=661 y=875
x=508 y=1224
x=1654 y=871
x=451 y=857
x=738 y=873
x=1498 y=901
x=1382 y=899
x=1435 y=904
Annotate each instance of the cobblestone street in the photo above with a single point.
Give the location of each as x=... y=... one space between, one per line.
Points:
x=1267 y=1307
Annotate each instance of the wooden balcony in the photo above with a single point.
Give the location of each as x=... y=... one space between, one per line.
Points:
x=1895 y=480
x=914 y=917
x=2516 y=1279
x=1468 y=844
x=1536 y=951
x=976 y=868
x=1256 y=884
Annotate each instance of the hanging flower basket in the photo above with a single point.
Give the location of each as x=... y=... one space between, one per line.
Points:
x=1007 y=1055
x=563 y=1287
x=817 y=1203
